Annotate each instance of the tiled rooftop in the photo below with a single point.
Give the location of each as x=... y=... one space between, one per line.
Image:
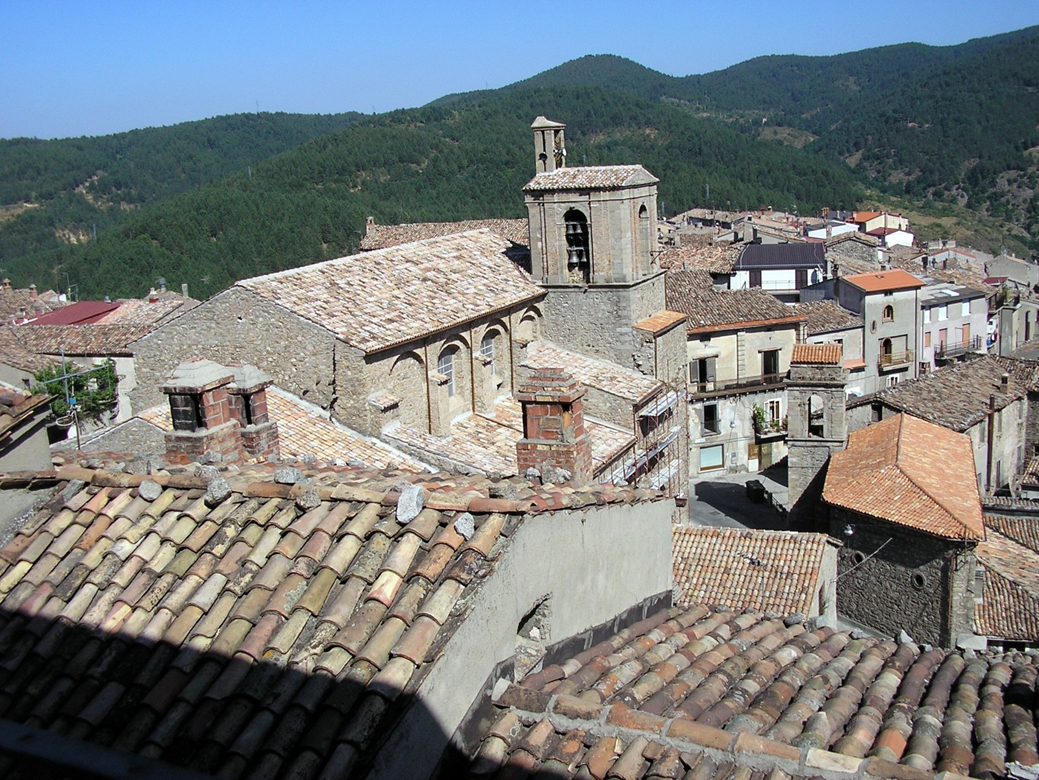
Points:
x=590 y=177
x=515 y=231
x=817 y=354
x=788 y=255
x=389 y=296
x=16 y=406
x=25 y=302
x=911 y=473
x=609 y=377
x=957 y=396
x=488 y=442
x=713 y=258
x=304 y=429
x=1009 y=608
x=708 y=309
x=696 y=693
x=659 y=322
x=826 y=316
x=243 y=628
x=775 y=571
x=95 y=340
x=884 y=281
x=144 y=312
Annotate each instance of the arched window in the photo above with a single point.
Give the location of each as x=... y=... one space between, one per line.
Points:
x=578 y=258
x=889 y=313
x=446 y=366
x=487 y=349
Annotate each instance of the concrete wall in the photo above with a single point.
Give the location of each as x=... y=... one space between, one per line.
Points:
x=570 y=557
x=902 y=329
x=931 y=325
x=238 y=326
x=908 y=584
x=26 y=447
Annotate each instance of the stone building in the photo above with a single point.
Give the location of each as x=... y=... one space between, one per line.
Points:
x=817 y=427
x=904 y=501
x=424 y=344
x=991 y=400
x=739 y=346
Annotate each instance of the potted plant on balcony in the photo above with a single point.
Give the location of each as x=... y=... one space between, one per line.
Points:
x=760 y=419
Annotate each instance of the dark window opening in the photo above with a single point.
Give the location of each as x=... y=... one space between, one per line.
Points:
x=186 y=411
x=770 y=362
x=710 y=418
x=578 y=254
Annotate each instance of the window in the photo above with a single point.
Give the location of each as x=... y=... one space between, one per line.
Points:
x=965 y=309
x=927 y=316
x=773 y=410
x=487 y=349
x=578 y=258
x=755 y=277
x=927 y=338
x=711 y=458
x=889 y=313
x=446 y=366
x=892 y=380
x=701 y=374
x=943 y=312
x=770 y=362
x=710 y=419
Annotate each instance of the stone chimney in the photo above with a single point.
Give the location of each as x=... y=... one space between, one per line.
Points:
x=247 y=397
x=554 y=436
x=199 y=406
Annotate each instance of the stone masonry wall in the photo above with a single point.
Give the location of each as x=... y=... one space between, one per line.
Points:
x=238 y=326
x=906 y=585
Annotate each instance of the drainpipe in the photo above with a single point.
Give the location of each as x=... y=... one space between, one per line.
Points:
x=991 y=434
x=429 y=401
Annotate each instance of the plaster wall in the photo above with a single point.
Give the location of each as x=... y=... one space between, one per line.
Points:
x=26 y=448
x=560 y=555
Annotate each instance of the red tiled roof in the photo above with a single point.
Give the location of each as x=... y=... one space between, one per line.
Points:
x=884 y=281
x=82 y=313
x=660 y=321
x=817 y=354
x=701 y=693
x=911 y=473
x=743 y=569
x=16 y=407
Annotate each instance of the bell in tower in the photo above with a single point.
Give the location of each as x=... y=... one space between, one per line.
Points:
x=549 y=146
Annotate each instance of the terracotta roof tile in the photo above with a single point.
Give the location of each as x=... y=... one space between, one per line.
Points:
x=691 y=293
x=74 y=340
x=911 y=473
x=826 y=316
x=817 y=354
x=742 y=569
x=660 y=321
x=714 y=259
x=609 y=377
x=591 y=177
x=384 y=236
x=206 y=622
x=750 y=696
x=389 y=296
x=884 y=281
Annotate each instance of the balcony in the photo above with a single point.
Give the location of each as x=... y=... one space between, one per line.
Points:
x=950 y=351
x=743 y=384
x=892 y=360
x=769 y=430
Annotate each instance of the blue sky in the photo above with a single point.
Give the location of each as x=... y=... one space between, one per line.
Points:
x=88 y=68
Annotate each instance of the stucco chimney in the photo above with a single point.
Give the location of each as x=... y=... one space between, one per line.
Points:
x=554 y=436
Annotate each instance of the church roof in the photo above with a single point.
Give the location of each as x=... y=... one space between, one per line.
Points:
x=603 y=375
x=378 y=299
x=384 y=236
x=592 y=177
x=910 y=473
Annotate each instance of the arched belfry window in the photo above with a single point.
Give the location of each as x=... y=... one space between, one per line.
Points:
x=578 y=257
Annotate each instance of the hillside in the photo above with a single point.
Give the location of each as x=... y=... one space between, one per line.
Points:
x=434 y=163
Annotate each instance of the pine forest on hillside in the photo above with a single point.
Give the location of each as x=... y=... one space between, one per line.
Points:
x=944 y=130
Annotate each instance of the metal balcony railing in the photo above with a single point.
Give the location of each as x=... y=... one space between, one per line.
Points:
x=893 y=359
x=743 y=383
x=957 y=348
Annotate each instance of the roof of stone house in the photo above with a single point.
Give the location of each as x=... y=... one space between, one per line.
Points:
x=826 y=316
x=1009 y=607
x=911 y=473
x=690 y=292
x=591 y=176
x=603 y=375
x=1030 y=476
x=243 y=626
x=487 y=442
x=17 y=356
x=769 y=256
x=137 y=311
x=698 y=693
x=1007 y=610
x=384 y=236
x=713 y=258
x=957 y=396
x=884 y=281
x=660 y=322
x=81 y=340
x=855 y=236
x=771 y=571
x=817 y=354
x=385 y=297
x=305 y=430
x=26 y=302
x=16 y=406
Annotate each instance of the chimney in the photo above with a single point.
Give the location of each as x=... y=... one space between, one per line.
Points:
x=247 y=398
x=5 y=284
x=153 y=295
x=32 y=292
x=184 y=290
x=554 y=436
x=1004 y=382
x=199 y=407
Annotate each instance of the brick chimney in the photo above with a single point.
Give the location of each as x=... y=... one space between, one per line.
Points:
x=247 y=397
x=199 y=406
x=554 y=436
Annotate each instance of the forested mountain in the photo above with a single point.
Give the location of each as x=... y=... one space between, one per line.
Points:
x=210 y=202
